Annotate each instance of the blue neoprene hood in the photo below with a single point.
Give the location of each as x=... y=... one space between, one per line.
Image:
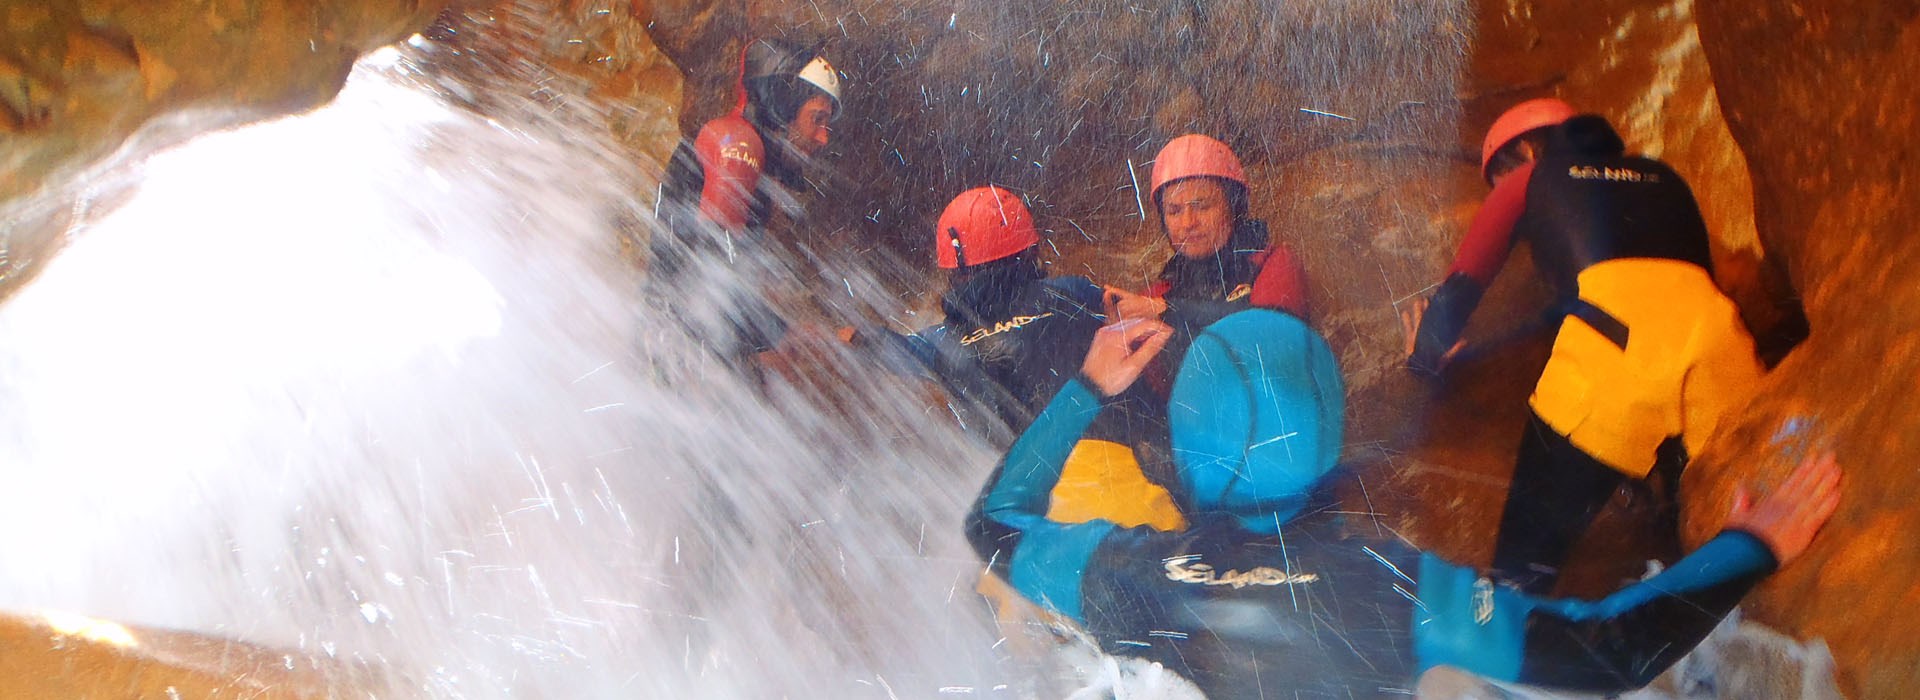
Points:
x=1256 y=416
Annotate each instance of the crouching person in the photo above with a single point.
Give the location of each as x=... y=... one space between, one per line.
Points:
x=1268 y=590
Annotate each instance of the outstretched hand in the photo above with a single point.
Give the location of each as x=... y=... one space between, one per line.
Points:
x=1787 y=518
x=1121 y=351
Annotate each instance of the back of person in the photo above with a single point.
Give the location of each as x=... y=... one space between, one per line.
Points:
x=1007 y=346
x=1588 y=202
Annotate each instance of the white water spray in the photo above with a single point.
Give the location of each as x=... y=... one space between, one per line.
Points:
x=373 y=383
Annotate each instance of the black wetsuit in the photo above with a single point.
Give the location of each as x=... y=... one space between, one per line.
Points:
x=718 y=196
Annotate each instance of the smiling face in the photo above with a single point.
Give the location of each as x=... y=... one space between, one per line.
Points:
x=809 y=130
x=1196 y=216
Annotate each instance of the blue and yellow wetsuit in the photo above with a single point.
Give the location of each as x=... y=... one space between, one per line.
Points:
x=1266 y=592
x=1649 y=354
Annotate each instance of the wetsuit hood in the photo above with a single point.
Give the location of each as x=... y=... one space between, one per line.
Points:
x=1256 y=417
x=988 y=291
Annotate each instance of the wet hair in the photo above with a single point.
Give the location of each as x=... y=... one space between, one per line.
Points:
x=1236 y=198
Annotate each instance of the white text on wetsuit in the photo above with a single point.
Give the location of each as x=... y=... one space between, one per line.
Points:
x=1588 y=172
x=1188 y=569
x=740 y=153
x=1010 y=324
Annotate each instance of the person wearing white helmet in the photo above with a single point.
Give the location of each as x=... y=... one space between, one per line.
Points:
x=723 y=185
x=1649 y=355
x=788 y=96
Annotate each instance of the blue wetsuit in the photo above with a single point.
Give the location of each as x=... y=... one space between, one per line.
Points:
x=1268 y=592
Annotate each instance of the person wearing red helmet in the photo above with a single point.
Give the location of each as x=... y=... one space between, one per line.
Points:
x=1649 y=354
x=1223 y=259
x=1011 y=335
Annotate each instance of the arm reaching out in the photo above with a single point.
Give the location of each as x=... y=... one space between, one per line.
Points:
x=1787 y=519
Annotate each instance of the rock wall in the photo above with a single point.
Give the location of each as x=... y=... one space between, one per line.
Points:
x=1823 y=98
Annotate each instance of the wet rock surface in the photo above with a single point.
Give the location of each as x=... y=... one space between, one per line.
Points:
x=1823 y=99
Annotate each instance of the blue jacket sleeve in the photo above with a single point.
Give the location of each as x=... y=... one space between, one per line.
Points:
x=1619 y=642
x=1047 y=558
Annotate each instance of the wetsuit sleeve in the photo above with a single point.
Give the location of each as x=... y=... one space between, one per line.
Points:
x=1282 y=283
x=1482 y=253
x=731 y=155
x=1044 y=560
x=1627 y=639
x=1616 y=643
x=1490 y=236
x=1076 y=297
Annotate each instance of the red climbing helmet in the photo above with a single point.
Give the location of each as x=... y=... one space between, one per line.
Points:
x=1522 y=118
x=982 y=225
x=1195 y=155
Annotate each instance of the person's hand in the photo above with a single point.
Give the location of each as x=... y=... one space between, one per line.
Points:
x=1410 y=323
x=1121 y=351
x=1788 y=518
x=1122 y=305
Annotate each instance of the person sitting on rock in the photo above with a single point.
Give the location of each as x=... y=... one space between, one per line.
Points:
x=1223 y=258
x=1268 y=589
x=1649 y=355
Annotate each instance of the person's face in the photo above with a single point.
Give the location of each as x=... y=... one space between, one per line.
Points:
x=1196 y=215
x=809 y=129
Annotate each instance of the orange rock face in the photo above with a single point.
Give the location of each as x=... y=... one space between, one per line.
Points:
x=68 y=656
x=1825 y=102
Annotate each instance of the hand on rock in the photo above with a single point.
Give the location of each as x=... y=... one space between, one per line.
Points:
x=1121 y=351
x=1788 y=518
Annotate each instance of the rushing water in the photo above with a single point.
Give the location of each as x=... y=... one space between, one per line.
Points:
x=376 y=383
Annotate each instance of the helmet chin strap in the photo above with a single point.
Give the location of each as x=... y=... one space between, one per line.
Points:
x=959 y=251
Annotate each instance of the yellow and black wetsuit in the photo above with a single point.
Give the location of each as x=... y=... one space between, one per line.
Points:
x=1649 y=357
